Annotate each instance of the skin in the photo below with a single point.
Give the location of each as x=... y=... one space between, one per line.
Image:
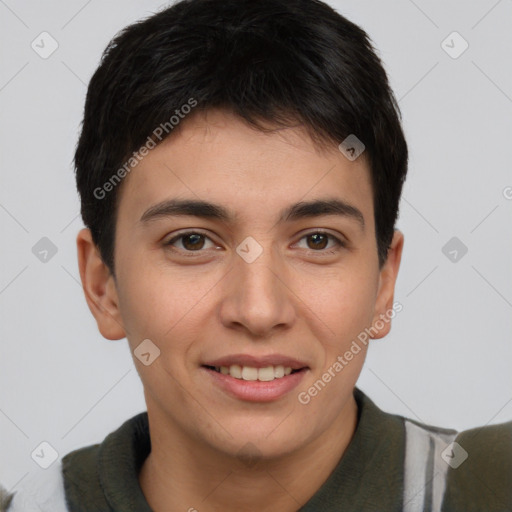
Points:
x=211 y=451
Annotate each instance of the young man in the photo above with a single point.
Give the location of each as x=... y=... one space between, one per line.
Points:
x=240 y=169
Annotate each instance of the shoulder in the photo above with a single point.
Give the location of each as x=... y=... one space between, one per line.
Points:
x=104 y=476
x=447 y=470
x=480 y=476
x=82 y=481
x=49 y=490
x=41 y=491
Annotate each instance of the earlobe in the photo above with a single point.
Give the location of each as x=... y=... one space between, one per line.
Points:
x=99 y=288
x=384 y=310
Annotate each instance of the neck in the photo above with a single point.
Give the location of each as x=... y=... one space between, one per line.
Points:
x=182 y=474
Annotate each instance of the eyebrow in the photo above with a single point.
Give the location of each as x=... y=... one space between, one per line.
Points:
x=207 y=210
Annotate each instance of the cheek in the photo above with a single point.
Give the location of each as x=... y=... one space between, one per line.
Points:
x=342 y=302
x=152 y=304
x=171 y=310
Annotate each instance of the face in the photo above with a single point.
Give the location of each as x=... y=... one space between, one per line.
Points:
x=274 y=282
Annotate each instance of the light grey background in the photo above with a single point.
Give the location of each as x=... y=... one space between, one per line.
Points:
x=448 y=359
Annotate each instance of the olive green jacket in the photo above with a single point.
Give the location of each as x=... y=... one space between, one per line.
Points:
x=391 y=464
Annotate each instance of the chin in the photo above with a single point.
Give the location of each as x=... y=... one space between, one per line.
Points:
x=267 y=440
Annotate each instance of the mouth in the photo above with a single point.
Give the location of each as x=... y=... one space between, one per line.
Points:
x=255 y=379
x=251 y=373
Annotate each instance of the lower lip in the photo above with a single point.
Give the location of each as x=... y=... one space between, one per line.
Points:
x=256 y=390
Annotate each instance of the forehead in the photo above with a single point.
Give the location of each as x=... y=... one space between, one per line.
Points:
x=216 y=156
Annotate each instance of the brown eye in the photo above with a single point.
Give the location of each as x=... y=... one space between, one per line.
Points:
x=190 y=242
x=319 y=241
x=193 y=242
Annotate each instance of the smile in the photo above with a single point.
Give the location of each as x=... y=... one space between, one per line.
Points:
x=255 y=379
x=251 y=373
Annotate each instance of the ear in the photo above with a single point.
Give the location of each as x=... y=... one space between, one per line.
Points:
x=99 y=288
x=386 y=291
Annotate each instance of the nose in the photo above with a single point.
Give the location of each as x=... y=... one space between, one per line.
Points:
x=258 y=298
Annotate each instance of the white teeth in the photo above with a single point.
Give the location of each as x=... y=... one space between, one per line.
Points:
x=266 y=374
x=250 y=373
x=235 y=371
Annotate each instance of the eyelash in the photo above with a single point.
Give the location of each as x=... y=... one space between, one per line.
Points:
x=339 y=243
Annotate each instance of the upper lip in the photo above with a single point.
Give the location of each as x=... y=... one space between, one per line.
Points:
x=258 y=361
